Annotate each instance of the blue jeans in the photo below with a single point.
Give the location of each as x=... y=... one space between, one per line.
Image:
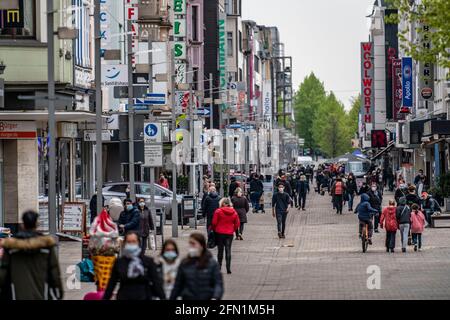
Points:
x=255 y=197
x=404 y=232
x=350 y=201
x=417 y=239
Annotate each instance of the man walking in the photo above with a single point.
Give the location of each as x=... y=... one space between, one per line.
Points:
x=29 y=268
x=256 y=191
x=302 y=191
x=280 y=207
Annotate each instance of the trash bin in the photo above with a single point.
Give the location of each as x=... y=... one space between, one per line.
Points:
x=188 y=208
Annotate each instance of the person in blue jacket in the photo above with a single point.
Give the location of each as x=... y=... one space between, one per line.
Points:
x=129 y=218
x=365 y=214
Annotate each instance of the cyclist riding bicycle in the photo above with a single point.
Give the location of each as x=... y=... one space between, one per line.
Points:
x=365 y=215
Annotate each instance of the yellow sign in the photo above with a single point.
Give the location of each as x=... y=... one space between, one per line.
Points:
x=13 y=16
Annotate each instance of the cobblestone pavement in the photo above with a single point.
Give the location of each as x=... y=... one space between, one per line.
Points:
x=321 y=258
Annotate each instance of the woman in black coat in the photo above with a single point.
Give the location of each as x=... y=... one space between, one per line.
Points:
x=241 y=205
x=198 y=276
x=137 y=274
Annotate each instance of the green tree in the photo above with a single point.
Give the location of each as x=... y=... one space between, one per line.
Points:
x=352 y=117
x=310 y=96
x=433 y=13
x=330 y=127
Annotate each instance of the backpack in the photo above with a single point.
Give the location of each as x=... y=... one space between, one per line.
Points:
x=338 y=190
x=86 y=267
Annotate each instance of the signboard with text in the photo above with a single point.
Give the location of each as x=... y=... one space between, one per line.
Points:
x=18 y=130
x=367 y=82
x=407 y=85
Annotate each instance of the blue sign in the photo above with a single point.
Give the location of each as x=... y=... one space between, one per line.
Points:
x=151 y=130
x=407 y=82
x=138 y=107
x=155 y=98
x=203 y=112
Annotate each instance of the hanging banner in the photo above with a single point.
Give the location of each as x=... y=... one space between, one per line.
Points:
x=396 y=70
x=367 y=82
x=407 y=85
x=426 y=71
x=222 y=63
x=267 y=100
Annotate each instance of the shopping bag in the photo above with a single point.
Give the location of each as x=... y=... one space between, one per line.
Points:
x=211 y=240
x=152 y=239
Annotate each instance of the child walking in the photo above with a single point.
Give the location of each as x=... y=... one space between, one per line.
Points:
x=417 y=226
x=388 y=220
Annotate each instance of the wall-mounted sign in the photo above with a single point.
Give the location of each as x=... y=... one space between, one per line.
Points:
x=180 y=50
x=407 y=85
x=367 y=82
x=397 y=89
x=222 y=65
x=179 y=6
x=180 y=71
x=114 y=75
x=179 y=28
x=12 y=14
x=18 y=130
x=426 y=69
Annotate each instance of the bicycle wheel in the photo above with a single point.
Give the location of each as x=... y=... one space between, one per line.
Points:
x=365 y=240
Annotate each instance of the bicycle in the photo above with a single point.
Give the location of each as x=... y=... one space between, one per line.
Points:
x=365 y=237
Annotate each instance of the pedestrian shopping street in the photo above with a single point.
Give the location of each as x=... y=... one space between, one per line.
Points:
x=321 y=258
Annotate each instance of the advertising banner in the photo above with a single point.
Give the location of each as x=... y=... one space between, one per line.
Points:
x=397 y=89
x=222 y=63
x=407 y=85
x=367 y=82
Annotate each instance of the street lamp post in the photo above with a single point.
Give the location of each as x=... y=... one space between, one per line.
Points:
x=174 y=145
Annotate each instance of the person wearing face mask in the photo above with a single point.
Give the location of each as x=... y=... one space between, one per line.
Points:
x=145 y=223
x=199 y=276
x=401 y=191
x=167 y=265
x=281 y=202
x=135 y=272
x=241 y=205
x=375 y=200
x=352 y=190
x=129 y=218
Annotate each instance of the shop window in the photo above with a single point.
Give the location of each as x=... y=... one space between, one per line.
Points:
x=18 y=23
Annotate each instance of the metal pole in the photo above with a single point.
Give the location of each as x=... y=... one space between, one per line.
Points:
x=150 y=90
x=52 y=214
x=174 y=144
x=131 y=115
x=98 y=108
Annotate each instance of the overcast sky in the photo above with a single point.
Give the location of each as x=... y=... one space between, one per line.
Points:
x=322 y=36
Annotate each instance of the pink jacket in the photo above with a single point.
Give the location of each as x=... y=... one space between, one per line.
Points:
x=417 y=222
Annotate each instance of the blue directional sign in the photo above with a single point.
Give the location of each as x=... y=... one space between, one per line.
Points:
x=155 y=98
x=203 y=112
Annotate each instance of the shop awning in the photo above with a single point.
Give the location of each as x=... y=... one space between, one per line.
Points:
x=387 y=149
x=42 y=115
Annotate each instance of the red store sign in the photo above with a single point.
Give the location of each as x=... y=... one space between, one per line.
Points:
x=18 y=130
x=367 y=82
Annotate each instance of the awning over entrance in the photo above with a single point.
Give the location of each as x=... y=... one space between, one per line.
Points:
x=387 y=149
x=42 y=115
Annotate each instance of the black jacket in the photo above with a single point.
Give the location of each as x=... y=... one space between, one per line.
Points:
x=302 y=187
x=281 y=201
x=233 y=186
x=400 y=193
x=210 y=205
x=145 y=222
x=256 y=185
x=130 y=219
x=412 y=199
x=240 y=204
x=193 y=283
x=352 y=188
x=29 y=269
x=403 y=215
x=364 y=189
x=375 y=200
x=142 y=288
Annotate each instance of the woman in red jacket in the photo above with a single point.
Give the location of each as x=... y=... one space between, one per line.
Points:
x=389 y=221
x=224 y=224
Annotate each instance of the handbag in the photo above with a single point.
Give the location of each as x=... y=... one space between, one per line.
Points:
x=211 y=240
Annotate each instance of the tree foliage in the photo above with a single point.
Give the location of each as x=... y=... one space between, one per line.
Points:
x=310 y=96
x=433 y=13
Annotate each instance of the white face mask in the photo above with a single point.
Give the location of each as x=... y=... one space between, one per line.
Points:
x=281 y=190
x=194 y=252
x=374 y=188
x=142 y=204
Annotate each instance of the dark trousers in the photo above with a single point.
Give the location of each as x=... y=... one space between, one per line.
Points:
x=255 y=197
x=144 y=241
x=302 y=200
x=294 y=196
x=281 y=222
x=390 y=239
x=362 y=223
x=338 y=199
x=240 y=230
x=417 y=239
x=428 y=213
x=377 y=221
x=350 y=201
x=224 y=241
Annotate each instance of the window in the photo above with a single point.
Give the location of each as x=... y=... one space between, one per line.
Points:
x=118 y=188
x=144 y=190
x=256 y=64
x=230 y=43
x=195 y=36
x=240 y=40
x=241 y=74
x=19 y=23
x=233 y=7
x=195 y=78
